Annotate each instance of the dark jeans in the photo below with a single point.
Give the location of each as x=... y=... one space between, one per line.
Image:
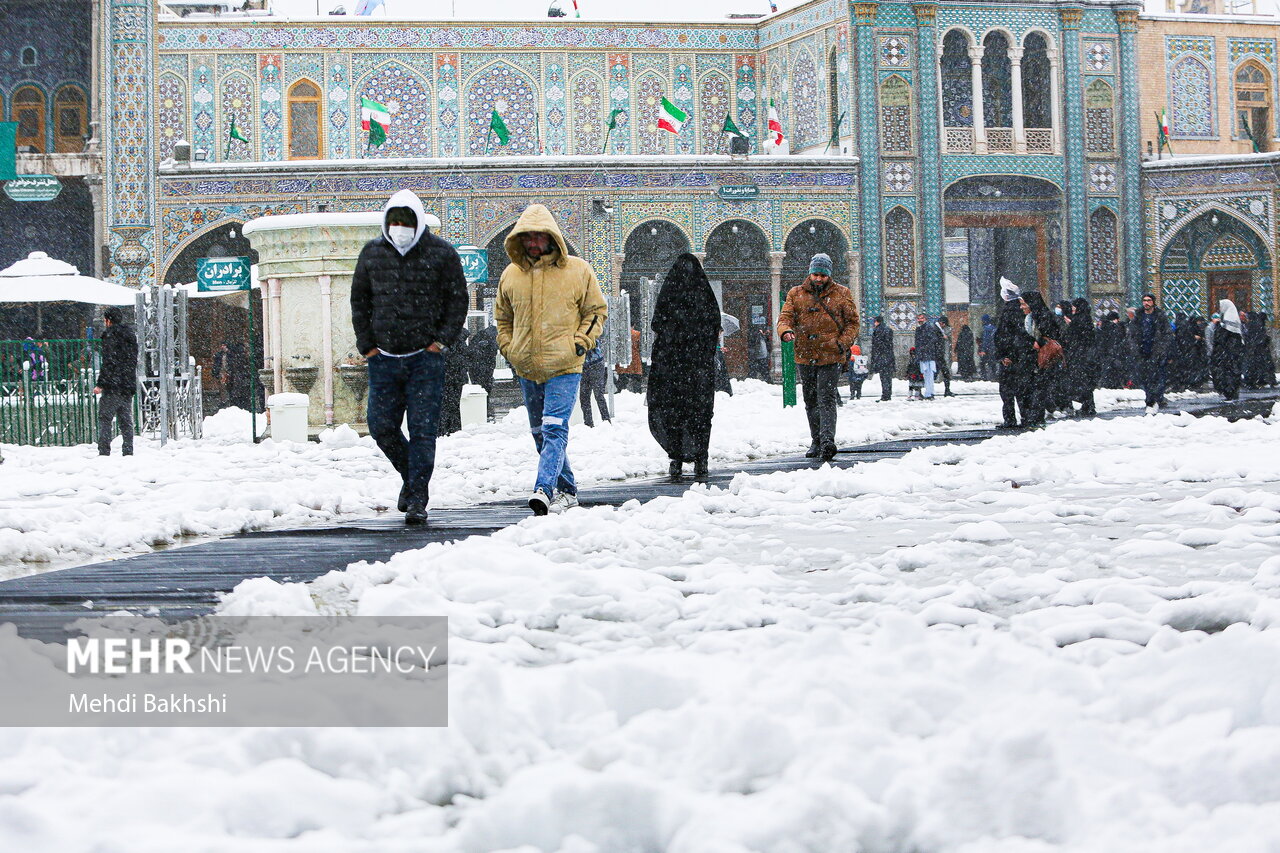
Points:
x=759 y=369
x=855 y=384
x=987 y=367
x=1151 y=375
x=886 y=384
x=630 y=382
x=114 y=405
x=1017 y=388
x=594 y=377
x=819 y=384
x=415 y=385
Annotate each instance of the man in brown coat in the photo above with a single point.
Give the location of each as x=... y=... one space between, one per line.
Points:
x=820 y=317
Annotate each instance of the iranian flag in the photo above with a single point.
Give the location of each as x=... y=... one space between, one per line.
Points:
x=775 y=124
x=374 y=118
x=670 y=117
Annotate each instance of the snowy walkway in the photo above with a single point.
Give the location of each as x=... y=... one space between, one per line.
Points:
x=180 y=583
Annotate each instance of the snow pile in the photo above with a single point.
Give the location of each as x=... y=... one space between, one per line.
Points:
x=64 y=505
x=967 y=650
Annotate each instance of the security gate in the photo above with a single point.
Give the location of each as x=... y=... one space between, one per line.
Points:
x=169 y=386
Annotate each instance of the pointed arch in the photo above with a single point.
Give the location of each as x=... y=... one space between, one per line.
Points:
x=1099 y=118
x=1104 y=267
x=1037 y=89
x=1252 y=99
x=235 y=100
x=501 y=86
x=407 y=96
x=997 y=85
x=896 y=130
x=805 y=123
x=650 y=90
x=28 y=110
x=957 y=91
x=304 y=121
x=70 y=118
x=715 y=101
x=587 y=116
x=1191 y=111
x=899 y=249
x=171 y=114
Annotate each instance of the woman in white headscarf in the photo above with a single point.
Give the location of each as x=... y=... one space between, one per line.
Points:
x=1228 y=352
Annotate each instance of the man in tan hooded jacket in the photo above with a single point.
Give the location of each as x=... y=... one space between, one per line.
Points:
x=549 y=312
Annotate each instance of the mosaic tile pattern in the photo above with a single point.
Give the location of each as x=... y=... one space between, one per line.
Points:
x=899 y=176
x=899 y=249
x=1102 y=178
x=901 y=316
x=714 y=102
x=171 y=114
x=1103 y=269
x=503 y=88
x=895 y=52
x=406 y=96
x=1184 y=294
x=1099 y=56
x=806 y=129
x=1192 y=96
x=236 y=100
x=588 y=101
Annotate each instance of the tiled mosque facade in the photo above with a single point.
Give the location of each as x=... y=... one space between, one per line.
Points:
x=936 y=147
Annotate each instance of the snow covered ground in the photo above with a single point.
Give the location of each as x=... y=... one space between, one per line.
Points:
x=60 y=506
x=1060 y=642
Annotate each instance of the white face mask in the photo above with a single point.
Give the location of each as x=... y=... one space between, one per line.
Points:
x=401 y=236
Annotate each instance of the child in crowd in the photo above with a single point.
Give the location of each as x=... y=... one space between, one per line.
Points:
x=915 y=379
x=858 y=371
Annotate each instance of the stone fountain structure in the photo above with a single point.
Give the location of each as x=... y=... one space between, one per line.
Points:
x=305 y=262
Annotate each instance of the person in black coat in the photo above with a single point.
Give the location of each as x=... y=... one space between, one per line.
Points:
x=930 y=350
x=117 y=382
x=408 y=302
x=1015 y=355
x=682 y=372
x=1112 y=352
x=881 y=360
x=966 y=365
x=1228 y=352
x=457 y=362
x=482 y=354
x=1079 y=343
x=1259 y=366
x=1151 y=338
x=1041 y=324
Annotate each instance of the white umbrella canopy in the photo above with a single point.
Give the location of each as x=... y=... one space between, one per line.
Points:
x=40 y=278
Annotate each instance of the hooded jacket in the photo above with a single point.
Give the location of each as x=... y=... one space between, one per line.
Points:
x=546 y=308
x=119 y=372
x=404 y=301
x=824 y=321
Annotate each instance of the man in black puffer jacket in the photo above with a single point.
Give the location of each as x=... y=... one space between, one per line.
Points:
x=117 y=382
x=408 y=302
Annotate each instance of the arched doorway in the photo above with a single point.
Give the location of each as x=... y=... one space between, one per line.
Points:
x=1001 y=226
x=223 y=320
x=1215 y=256
x=808 y=239
x=738 y=266
x=649 y=251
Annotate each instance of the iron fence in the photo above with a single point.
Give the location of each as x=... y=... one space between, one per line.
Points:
x=46 y=392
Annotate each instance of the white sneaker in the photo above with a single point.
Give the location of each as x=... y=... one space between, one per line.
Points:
x=564 y=502
x=539 y=502
x=1151 y=410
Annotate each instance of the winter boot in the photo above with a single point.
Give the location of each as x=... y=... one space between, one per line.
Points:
x=675 y=469
x=700 y=470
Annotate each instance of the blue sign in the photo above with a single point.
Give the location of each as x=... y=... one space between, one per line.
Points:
x=475 y=264
x=222 y=275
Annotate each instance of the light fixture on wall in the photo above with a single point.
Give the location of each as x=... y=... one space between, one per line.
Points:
x=734 y=229
x=813 y=229
x=1213 y=220
x=653 y=231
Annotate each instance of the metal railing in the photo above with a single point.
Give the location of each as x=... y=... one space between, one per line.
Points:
x=46 y=392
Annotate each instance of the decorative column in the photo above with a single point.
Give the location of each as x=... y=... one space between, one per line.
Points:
x=94 y=183
x=1130 y=155
x=1055 y=101
x=1076 y=175
x=326 y=344
x=128 y=62
x=930 y=163
x=979 y=120
x=1015 y=73
x=854 y=260
x=869 y=153
x=775 y=307
x=615 y=274
x=277 y=337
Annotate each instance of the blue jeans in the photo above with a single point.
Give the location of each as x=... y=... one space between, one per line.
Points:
x=550 y=405
x=414 y=384
x=927 y=368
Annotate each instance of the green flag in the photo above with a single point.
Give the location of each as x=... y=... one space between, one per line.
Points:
x=613 y=118
x=731 y=129
x=499 y=128
x=235 y=132
x=1248 y=131
x=8 y=150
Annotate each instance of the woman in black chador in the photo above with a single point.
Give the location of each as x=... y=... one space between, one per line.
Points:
x=682 y=375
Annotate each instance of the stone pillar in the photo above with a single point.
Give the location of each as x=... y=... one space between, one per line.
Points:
x=930 y=163
x=615 y=274
x=869 y=150
x=277 y=335
x=775 y=306
x=1130 y=156
x=94 y=183
x=1077 y=283
x=128 y=36
x=979 y=121
x=1015 y=74
x=1055 y=101
x=326 y=344
x=854 y=260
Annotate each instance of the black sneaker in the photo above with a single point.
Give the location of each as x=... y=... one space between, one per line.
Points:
x=813 y=451
x=1007 y=426
x=416 y=513
x=828 y=452
x=402 y=502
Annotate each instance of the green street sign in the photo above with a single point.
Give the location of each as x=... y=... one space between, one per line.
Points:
x=33 y=188
x=739 y=192
x=218 y=275
x=475 y=263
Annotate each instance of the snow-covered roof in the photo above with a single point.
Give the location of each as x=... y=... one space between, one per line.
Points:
x=39 y=263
